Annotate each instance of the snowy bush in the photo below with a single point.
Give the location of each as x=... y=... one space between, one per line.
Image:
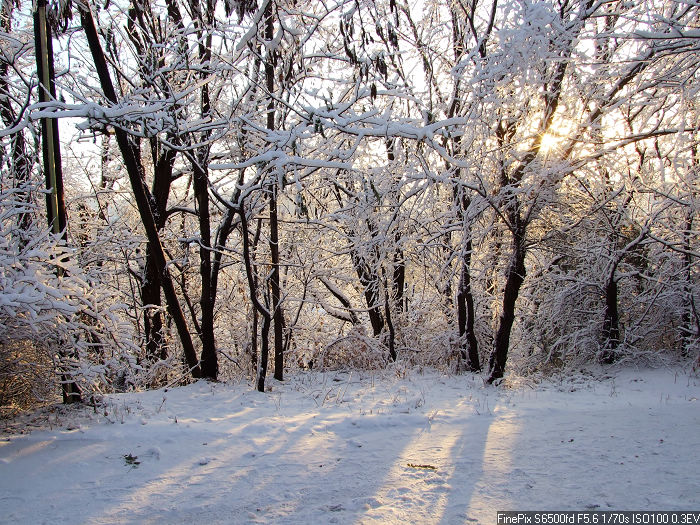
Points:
x=55 y=320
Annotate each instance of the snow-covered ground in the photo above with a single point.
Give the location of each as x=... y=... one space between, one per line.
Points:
x=361 y=448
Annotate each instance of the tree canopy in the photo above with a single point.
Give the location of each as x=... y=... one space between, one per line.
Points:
x=460 y=185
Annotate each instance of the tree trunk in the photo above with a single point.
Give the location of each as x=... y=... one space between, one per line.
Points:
x=264 y=352
x=153 y=318
x=254 y=342
x=163 y=161
x=514 y=280
x=203 y=21
x=253 y=290
x=611 y=322
x=141 y=194
x=277 y=312
x=223 y=232
x=465 y=299
x=256 y=313
x=150 y=285
x=399 y=274
x=390 y=325
x=207 y=299
x=370 y=283
x=465 y=314
x=399 y=277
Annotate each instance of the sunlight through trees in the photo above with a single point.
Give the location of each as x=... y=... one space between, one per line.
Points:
x=464 y=185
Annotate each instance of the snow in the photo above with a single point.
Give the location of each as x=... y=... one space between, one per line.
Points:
x=340 y=447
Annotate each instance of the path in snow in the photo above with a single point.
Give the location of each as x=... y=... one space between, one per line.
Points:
x=337 y=448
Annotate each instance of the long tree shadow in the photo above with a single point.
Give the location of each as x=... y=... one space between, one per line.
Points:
x=435 y=474
x=261 y=463
x=577 y=450
x=243 y=458
x=355 y=453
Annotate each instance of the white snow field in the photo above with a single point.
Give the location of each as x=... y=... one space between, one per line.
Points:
x=360 y=448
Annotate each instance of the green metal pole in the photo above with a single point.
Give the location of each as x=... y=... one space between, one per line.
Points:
x=55 y=207
x=55 y=203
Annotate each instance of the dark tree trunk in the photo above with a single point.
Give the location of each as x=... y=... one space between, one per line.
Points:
x=209 y=363
x=370 y=282
x=611 y=322
x=150 y=285
x=390 y=325
x=163 y=161
x=368 y=277
x=514 y=280
x=153 y=318
x=399 y=277
x=207 y=299
x=465 y=313
x=469 y=352
x=144 y=200
x=510 y=183
x=203 y=20
x=515 y=274
x=277 y=311
x=256 y=314
x=447 y=291
x=264 y=352
x=254 y=342
x=259 y=307
x=465 y=298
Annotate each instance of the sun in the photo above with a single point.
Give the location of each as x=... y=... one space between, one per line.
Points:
x=558 y=137
x=550 y=142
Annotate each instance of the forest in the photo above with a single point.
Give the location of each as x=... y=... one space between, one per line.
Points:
x=244 y=189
